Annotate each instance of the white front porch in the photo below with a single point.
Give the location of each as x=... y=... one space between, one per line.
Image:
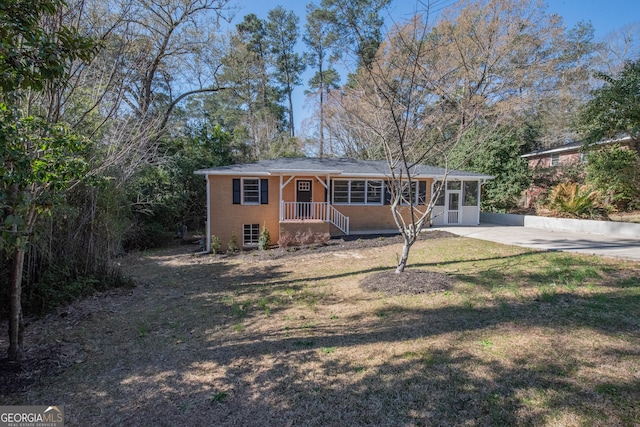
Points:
x=313 y=211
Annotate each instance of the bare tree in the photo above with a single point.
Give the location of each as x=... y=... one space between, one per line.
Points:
x=477 y=65
x=619 y=47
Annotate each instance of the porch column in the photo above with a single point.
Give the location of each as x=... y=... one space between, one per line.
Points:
x=328 y=201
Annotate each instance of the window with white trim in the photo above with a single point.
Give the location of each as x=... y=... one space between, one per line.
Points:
x=357 y=192
x=409 y=193
x=304 y=185
x=250 y=191
x=374 y=192
x=250 y=234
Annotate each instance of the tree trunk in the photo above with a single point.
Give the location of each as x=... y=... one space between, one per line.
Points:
x=15 y=352
x=405 y=256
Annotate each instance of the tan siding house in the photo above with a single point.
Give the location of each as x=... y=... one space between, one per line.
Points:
x=335 y=196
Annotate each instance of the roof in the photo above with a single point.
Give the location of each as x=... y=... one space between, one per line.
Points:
x=333 y=167
x=574 y=146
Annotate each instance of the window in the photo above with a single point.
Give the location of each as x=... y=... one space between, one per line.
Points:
x=414 y=194
x=555 y=159
x=470 y=193
x=250 y=234
x=250 y=191
x=357 y=192
x=304 y=186
x=374 y=192
x=341 y=192
x=454 y=185
x=410 y=193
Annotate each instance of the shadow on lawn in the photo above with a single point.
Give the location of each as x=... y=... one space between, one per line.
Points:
x=269 y=379
x=299 y=377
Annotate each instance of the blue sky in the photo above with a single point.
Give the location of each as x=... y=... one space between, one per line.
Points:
x=606 y=16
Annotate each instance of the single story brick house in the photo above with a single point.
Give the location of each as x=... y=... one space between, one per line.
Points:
x=327 y=195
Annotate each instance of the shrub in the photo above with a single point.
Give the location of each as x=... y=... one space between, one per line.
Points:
x=232 y=246
x=286 y=240
x=215 y=244
x=264 y=240
x=614 y=172
x=572 y=199
x=306 y=237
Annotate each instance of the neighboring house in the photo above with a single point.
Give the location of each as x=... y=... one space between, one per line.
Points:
x=335 y=196
x=567 y=154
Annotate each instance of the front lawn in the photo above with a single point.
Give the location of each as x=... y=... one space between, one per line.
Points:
x=514 y=338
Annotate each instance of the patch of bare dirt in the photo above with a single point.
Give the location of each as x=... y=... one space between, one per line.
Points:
x=409 y=282
x=345 y=244
x=42 y=357
x=41 y=361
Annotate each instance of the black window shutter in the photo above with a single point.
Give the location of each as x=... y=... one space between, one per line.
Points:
x=422 y=192
x=264 y=191
x=236 y=191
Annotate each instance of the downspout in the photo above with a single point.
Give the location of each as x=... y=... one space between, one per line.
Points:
x=280 y=201
x=208 y=227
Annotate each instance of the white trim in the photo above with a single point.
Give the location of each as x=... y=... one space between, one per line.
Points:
x=244 y=235
x=242 y=202
x=229 y=173
x=280 y=200
x=340 y=174
x=324 y=184
x=208 y=224
x=304 y=172
x=366 y=193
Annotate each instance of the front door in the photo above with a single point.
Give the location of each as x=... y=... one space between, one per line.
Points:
x=453 y=207
x=303 y=198
x=453 y=196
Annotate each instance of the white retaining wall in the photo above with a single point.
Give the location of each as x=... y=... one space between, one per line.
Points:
x=564 y=224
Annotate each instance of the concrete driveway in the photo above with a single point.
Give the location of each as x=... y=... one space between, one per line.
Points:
x=553 y=240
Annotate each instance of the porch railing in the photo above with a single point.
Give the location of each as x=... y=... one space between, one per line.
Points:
x=339 y=220
x=314 y=211
x=292 y=211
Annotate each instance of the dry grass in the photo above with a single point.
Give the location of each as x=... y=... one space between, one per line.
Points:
x=520 y=338
x=626 y=216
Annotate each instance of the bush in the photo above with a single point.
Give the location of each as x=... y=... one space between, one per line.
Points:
x=614 y=172
x=307 y=237
x=286 y=240
x=232 y=246
x=264 y=240
x=572 y=199
x=215 y=244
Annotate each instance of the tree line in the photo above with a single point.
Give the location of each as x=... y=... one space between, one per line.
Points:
x=107 y=108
